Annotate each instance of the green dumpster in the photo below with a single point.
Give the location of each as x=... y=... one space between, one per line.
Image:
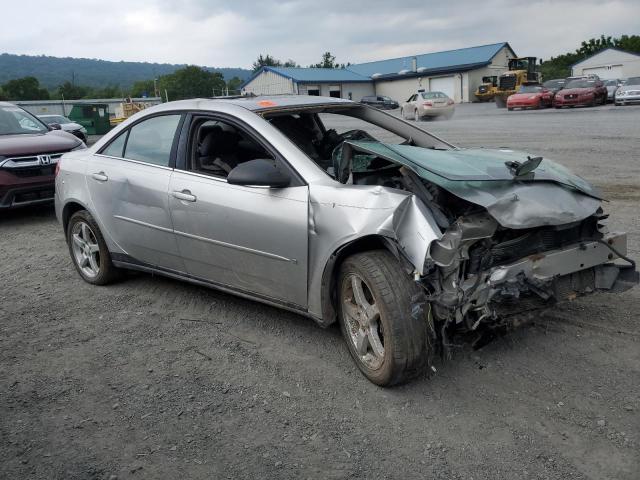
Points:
x=92 y=116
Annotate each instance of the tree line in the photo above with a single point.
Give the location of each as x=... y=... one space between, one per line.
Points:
x=187 y=82
x=327 y=61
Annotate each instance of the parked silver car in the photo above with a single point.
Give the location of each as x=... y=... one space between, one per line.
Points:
x=427 y=104
x=629 y=92
x=339 y=211
x=63 y=123
x=612 y=85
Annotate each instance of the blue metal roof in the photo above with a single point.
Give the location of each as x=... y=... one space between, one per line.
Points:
x=439 y=62
x=302 y=75
x=449 y=60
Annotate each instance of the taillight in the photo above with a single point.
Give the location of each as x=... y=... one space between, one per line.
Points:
x=449 y=102
x=428 y=104
x=58 y=167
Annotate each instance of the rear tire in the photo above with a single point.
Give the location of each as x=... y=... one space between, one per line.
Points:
x=89 y=251
x=388 y=344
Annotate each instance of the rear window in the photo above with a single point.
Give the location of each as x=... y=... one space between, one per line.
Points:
x=432 y=95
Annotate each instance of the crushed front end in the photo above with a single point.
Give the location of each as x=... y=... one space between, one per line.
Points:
x=484 y=278
x=515 y=234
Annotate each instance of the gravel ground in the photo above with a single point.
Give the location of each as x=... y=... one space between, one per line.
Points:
x=152 y=378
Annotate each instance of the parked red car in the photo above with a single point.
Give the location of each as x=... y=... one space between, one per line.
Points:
x=29 y=152
x=530 y=96
x=586 y=91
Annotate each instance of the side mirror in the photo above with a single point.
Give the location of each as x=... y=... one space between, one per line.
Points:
x=55 y=126
x=259 y=173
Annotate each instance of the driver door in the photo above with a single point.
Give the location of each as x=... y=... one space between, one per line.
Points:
x=251 y=239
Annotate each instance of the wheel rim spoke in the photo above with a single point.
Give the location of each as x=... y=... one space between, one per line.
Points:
x=351 y=310
x=85 y=232
x=93 y=247
x=358 y=291
x=361 y=341
x=375 y=342
x=77 y=240
x=93 y=264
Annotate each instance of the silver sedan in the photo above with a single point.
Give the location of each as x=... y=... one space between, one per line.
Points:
x=629 y=92
x=428 y=104
x=339 y=212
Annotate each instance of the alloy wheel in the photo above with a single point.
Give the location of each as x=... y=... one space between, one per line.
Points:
x=86 y=251
x=362 y=320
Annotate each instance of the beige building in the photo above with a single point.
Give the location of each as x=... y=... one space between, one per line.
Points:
x=454 y=72
x=609 y=64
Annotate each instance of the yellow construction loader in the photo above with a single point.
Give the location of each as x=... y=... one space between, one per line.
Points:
x=487 y=89
x=522 y=71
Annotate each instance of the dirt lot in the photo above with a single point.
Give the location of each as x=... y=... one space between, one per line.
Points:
x=152 y=378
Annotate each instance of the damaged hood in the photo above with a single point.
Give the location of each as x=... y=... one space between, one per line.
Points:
x=549 y=195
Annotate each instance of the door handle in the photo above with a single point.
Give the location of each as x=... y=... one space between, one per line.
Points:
x=99 y=176
x=184 y=195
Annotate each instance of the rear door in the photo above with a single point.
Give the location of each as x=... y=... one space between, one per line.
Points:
x=251 y=239
x=129 y=181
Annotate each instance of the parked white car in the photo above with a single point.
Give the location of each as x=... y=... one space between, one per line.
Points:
x=427 y=104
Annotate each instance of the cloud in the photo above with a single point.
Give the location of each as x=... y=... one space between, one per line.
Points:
x=234 y=33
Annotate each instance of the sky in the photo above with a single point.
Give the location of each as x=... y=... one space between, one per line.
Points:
x=222 y=33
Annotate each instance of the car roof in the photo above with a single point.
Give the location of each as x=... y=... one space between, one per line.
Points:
x=258 y=103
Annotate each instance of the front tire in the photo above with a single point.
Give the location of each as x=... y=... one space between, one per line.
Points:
x=89 y=251
x=416 y=116
x=376 y=297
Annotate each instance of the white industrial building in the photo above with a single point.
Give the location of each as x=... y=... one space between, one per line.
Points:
x=610 y=63
x=454 y=72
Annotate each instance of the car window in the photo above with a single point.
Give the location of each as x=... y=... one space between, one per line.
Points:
x=14 y=120
x=116 y=147
x=217 y=147
x=151 y=140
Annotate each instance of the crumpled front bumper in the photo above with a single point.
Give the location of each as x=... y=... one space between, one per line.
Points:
x=567 y=273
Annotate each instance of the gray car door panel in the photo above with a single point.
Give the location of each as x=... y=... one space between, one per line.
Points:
x=131 y=202
x=249 y=238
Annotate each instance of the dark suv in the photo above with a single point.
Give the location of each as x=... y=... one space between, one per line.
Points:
x=29 y=152
x=380 y=101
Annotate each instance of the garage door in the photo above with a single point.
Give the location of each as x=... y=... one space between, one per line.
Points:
x=443 y=84
x=605 y=73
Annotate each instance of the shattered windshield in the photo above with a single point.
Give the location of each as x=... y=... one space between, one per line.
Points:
x=459 y=165
x=321 y=132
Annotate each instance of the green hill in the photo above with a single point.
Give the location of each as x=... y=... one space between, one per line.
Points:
x=53 y=71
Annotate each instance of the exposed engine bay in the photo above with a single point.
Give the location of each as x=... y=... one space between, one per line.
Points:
x=515 y=234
